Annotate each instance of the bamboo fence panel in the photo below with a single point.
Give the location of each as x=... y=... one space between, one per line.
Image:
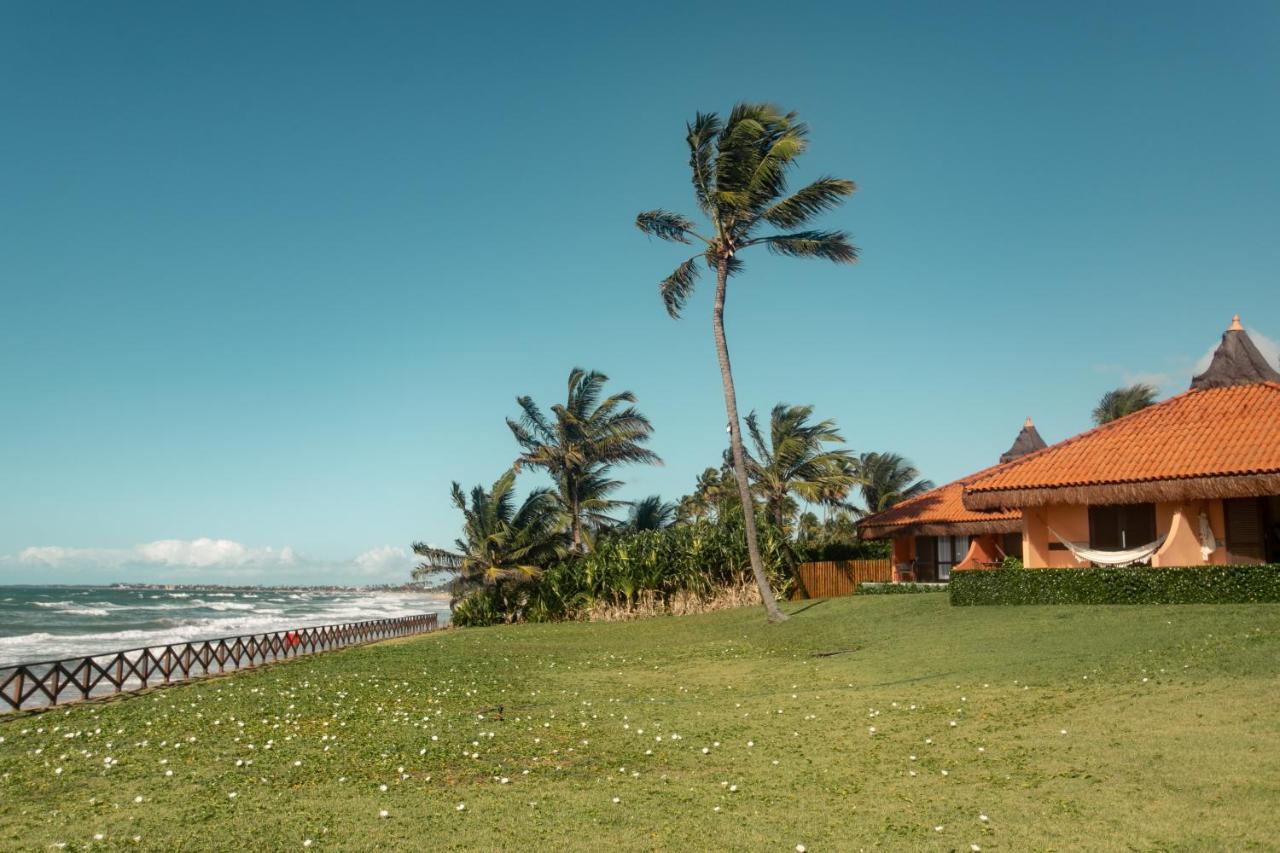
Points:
x=37 y=685
x=839 y=577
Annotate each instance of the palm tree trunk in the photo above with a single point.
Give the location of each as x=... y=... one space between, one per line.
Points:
x=735 y=442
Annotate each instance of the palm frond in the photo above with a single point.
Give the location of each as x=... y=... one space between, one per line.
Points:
x=665 y=225
x=818 y=197
x=701 y=137
x=831 y=245
x=675 y=288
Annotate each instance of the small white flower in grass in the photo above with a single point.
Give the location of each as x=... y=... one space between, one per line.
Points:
x=232 y=795
x=382 y=788
x=945 y=773
x=983 y=818
x=800 y=848
x=705 y=751
x=1064 y=731
x=733 y=789
x=168 y=773
x=57 y=771
x=297 y=764
x=871 y=729
x=306 y=842
x=384 y=813
x=750 y=744
x=462 y=807
x=939 y=828
x=617 y=800
x=98 y=836
x=912 y=772
x=504 y=780
x=138 y=799
x=953 y=724
x=716 y=809
x=975 y=848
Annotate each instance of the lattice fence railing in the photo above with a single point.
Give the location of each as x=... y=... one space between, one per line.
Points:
x=37 y=685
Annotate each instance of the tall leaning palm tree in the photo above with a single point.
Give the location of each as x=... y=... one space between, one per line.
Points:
x=502 y=545
x=739 y=168
x=1123 y=401
x=578 y=445
x=795 y=461
x=886 y=479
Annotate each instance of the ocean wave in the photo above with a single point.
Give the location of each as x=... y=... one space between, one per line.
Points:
x=72 y=609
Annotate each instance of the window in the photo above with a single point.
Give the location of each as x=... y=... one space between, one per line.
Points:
x=1253 y=530
x=1121 y=526
x=936 y=555
x=1011 y=544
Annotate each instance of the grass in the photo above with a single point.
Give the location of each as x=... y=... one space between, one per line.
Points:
x=1134 y=727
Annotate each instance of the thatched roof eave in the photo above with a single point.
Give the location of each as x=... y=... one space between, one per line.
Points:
x=1148 y=491
x=940 y=528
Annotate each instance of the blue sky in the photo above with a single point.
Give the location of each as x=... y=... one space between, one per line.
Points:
x=273 y=274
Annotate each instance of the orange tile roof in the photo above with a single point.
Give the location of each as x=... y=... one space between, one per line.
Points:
x=1216 y=432
x=943 y=505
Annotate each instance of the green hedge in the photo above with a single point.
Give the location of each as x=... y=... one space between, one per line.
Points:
x=876 y=588
x=1190 y=585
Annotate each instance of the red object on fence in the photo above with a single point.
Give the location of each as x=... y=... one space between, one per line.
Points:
x=291 y=640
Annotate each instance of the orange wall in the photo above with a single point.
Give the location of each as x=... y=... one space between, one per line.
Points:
x=1179 y=521
x=1071 y=522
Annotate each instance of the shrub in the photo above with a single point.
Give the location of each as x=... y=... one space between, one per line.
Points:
x=477 y=609
x=822 y=550
x=876 y=588
x=1142 y=585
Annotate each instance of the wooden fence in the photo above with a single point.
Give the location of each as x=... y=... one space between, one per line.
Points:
x=839 y=577
x=38 y=685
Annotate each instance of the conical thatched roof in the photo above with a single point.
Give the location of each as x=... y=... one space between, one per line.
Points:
x=1028 y=441
x=1235 y=362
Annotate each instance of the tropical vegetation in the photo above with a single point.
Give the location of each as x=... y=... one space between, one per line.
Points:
x=1123 y=401
x=579 y=444
x=503 y=547
x=563 y=552
x=886 y=479
x=739 y=169
x=796 y=462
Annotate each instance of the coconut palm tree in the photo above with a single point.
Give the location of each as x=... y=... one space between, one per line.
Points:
x=795 y=462
x=1123 y=401
x=502 y=545
x=578 y=445
x=651 y=513
x=739 y=170
x=886 y=479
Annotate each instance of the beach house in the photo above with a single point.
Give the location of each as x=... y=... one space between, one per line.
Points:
x=1193 y=480
x=935 y=532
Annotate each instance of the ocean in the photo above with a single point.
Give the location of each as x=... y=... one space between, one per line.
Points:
x=41 y=623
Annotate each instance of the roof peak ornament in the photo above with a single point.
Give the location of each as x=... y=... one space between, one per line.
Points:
x=1235 y=324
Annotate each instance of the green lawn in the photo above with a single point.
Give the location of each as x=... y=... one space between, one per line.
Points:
x=1028 y=728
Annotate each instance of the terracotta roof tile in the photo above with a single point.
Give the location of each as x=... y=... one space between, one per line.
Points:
x=1214 y=432
x=942 y=505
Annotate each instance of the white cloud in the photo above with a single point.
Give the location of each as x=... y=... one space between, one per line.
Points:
x=386 y=559
x=201 y=560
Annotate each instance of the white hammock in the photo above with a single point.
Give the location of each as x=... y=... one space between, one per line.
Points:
x=1111 y=558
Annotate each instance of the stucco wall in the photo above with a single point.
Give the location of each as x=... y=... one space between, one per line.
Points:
x=1069 y=521
x=1179 y=521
